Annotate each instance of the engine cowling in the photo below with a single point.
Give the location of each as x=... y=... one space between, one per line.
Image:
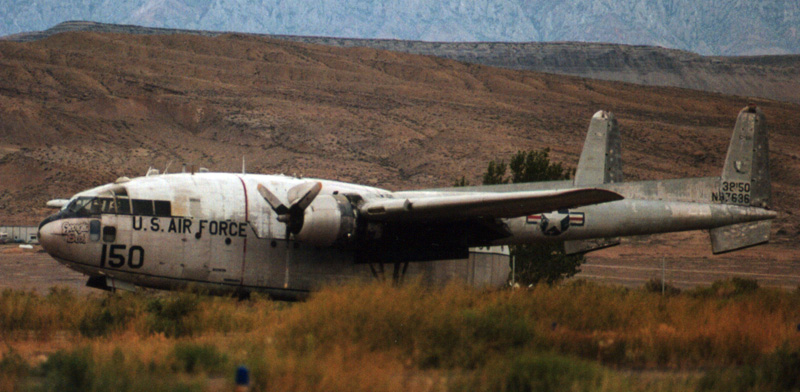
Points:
x=329 y=221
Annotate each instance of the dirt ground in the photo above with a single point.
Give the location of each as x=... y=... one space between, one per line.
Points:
x=686 y=261
x=631 y=264
x=35 y=270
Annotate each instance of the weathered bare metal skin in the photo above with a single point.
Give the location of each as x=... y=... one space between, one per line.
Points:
x=638 y=217
x=601 y=158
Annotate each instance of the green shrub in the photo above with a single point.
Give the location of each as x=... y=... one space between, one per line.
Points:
x=467 y=338
x=193 y=357
x=735 y=286
x=536 y=372
x=66 y=371
x=654 y=286
x=103 y=317
x=13 y=366
x=174 y=315
x=780 y=371
x=17 y=310
x=728 y=288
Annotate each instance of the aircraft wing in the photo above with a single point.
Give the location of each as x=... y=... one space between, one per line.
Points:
x=482 y=205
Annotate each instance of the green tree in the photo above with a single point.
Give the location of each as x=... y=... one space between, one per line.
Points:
x=495 y=173
x=462 y=182
x=544 y=262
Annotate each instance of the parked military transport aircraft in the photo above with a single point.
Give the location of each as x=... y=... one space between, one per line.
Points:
x=283 y=235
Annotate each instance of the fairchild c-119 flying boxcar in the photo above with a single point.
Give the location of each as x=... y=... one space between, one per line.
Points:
x=285 y=236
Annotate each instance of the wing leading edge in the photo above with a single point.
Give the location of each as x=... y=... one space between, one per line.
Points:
x=482 y=205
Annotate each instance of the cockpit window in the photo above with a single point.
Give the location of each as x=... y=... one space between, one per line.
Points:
x=88 y=206
x=97 y=205
x=163 y=208
x=142 y=207
x=123 y=202
x=118 y=203
x=80 y=205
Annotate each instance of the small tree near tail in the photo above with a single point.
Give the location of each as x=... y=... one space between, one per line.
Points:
x=544 y=262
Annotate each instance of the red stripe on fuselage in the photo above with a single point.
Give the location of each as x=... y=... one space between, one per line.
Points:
x=246 y=219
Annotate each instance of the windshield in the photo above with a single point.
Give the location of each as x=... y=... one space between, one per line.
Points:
x=117 y=203
x=91 y=205
x=78 y=204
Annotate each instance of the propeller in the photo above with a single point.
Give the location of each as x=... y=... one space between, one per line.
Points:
x=300 y=197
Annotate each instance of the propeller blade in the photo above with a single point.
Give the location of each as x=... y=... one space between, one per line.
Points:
x=301 y=196
x=273 y=200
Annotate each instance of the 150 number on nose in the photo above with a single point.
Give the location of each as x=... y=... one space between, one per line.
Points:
x=116 y=256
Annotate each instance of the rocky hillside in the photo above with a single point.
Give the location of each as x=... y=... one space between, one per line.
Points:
x=774 y=77
x=710 y=27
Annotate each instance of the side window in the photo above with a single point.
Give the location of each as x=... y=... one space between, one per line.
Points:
x=163 y=208
x=94 y=230
x=96 y=206
x=109 y=234
x=142 y=207
x=110 y=207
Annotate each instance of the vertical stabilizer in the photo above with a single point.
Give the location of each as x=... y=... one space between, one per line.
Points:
x=745 y=177
x=600 y=163
x=745 y=181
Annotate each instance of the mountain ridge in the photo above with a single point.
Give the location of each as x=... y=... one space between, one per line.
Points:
x=774 y=77
x=710 y=27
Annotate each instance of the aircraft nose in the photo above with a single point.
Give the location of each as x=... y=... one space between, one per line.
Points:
x=49 y=233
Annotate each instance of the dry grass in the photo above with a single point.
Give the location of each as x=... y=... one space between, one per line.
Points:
x=377 y=337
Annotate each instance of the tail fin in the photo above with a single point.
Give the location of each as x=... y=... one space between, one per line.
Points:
x=745 y=177
x=745 y=181
x=600 y=163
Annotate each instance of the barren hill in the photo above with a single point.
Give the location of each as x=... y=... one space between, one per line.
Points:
x=80 y=109
x=774 y=77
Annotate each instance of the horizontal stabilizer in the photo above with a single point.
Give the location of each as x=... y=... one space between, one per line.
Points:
x=483 y=205
x=739 y=236
x=57 y=203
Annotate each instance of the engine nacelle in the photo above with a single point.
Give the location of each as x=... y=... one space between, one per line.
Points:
x=330 y=220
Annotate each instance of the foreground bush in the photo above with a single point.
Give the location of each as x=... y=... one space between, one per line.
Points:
x=378 y=337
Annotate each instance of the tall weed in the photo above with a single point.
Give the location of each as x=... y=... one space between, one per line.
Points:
x=544 y=372
x=175 y=315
